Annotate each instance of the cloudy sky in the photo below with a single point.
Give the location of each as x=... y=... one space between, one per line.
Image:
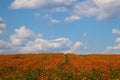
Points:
x=78 y=26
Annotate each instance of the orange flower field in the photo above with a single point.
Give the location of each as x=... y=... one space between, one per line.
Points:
x=59 y=66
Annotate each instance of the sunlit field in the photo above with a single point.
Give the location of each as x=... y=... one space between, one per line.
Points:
x=54 y=66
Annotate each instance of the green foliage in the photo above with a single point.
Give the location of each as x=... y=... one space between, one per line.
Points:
x=67 y=75
x=31 y=76
x=45 y=57
x=114 y=74
x=39 y=71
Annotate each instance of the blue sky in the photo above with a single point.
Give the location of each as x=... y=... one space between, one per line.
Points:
x=77 y=26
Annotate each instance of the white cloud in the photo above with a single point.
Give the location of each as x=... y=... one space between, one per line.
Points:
x=2 y=26
x=55 y=45
x=77 y=46
x=1 y=32
x=110 y=48
x=46 y=16
x=18 y=4
x=117 y=41
x=3 y=44
x=59 y=9
x=102 y=9
x=25 y=41
x=72 y=18
x=115 y=31
x=55 y=21
x=21 y=35
x=1 y=19
x=39 y=45
x=23 y=32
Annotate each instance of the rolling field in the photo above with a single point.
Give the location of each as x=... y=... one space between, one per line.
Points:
x=59 y=67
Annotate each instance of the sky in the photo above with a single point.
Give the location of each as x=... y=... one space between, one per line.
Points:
x=75 y=26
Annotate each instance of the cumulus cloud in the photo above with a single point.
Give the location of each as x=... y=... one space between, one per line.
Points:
x=1 y=19
x=117 y=46
x=102 y=9
x=26 y=41
x=2 y=26
x=117 y=41
x=21 y=35
x=115 y=31
x=39 y=45
x=76 y=47
x=110 y=48
x=72 y=18
x=55 y=21
x=18 y=4
x=59 y=9
x=4 y=46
